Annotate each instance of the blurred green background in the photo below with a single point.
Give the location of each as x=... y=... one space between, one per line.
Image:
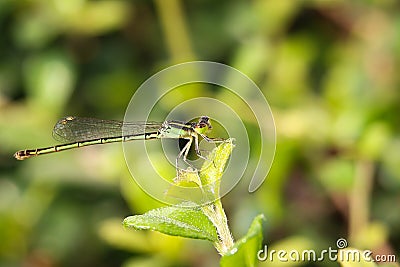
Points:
x=329 y=70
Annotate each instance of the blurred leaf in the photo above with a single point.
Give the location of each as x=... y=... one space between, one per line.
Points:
x=374 y=140
x=50 y=78
x=35 y=27
x=391 y=163
x=244 y=252
x=337 y=174
x=100 y=16
x=112 y=232
x=373 y=235
x=177 y=221
x=146 y=262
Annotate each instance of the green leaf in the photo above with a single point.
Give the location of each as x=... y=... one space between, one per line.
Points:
x=207 y=180
x=177 y=221
x=244 y=252
x=212 y=173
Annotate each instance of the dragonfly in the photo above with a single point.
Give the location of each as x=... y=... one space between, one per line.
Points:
x=76 y=132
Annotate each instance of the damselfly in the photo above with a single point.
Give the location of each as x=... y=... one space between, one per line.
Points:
x=76 y=132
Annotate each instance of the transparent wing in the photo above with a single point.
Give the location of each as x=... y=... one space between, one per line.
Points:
x=73 y=129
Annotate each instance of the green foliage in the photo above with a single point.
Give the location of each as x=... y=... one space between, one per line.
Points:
x=179 y=221
x=207 y=221
x=329 y=70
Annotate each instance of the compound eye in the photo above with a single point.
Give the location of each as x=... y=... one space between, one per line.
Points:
x=204 y=119
x=205 y=125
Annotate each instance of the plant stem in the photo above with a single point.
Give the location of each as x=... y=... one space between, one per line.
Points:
x=208 y=180
x=215 y=212
x=360 y=197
